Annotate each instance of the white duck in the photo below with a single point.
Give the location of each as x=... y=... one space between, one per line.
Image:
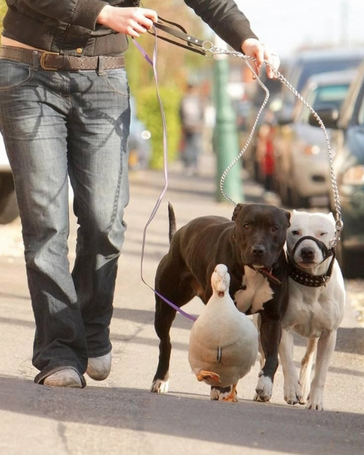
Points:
x=223 y=341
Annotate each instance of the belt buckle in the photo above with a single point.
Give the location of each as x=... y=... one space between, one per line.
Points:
x=42 y=61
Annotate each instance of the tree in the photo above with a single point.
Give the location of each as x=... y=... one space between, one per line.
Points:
x=3 y=8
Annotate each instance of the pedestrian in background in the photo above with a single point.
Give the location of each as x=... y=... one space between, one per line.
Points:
x=191 y=113
x=65 y=113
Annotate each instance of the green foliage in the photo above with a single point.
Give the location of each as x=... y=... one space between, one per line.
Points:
x=149 y=112
x=175 y=66
x=3 y=8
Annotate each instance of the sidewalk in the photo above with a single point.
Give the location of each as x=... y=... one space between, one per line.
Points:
x=119 y=416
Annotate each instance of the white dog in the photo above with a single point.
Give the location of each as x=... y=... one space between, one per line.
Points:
x=316 y=306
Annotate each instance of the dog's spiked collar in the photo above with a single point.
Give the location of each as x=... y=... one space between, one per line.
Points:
x=304 y=278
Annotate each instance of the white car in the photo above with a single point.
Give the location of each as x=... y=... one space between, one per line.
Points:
x=301 y=159
x=8 y=204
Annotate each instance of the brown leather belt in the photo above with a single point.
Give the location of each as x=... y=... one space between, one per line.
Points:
x=51 y=61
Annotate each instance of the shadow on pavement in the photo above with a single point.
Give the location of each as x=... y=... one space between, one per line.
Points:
x=189 y=417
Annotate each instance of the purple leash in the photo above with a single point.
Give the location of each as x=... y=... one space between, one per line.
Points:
x=165 y=170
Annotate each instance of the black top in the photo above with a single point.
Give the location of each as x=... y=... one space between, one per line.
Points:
x=67 y=25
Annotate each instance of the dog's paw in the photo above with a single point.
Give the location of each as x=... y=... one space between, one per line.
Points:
x=315 y=406
x=228 y=394
x=293 y=393
x=315 y=401
x=159 y=386
x=215 y=393
x=224 y=394
x=264 y=388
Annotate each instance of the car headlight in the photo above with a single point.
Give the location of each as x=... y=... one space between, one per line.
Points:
x=311 y=150
x=354 y=176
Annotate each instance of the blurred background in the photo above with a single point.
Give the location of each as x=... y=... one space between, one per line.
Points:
x=321 y=47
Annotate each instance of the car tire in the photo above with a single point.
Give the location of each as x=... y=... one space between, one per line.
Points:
x=351 y=262
x=285 y=193
x=299 y=202
x=8 y=204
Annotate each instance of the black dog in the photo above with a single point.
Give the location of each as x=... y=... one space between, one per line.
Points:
x=251 y=246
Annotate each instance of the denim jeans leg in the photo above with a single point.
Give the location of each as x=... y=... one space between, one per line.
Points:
x=33 y=120
x=98 y=167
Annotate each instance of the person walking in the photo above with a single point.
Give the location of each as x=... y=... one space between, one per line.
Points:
x=191 y=113
x=65 y=114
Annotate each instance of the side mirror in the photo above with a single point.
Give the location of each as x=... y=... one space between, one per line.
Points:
x=284 y=120
x=329 y=116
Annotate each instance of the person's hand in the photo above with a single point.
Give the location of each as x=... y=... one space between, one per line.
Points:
x=129 y=21
x=254 y=48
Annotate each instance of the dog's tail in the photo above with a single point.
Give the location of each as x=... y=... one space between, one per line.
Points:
x=172 y=221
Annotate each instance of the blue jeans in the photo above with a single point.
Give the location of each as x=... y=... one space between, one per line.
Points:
x=60 y=125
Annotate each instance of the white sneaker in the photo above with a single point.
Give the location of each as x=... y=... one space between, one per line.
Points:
x=98 y=368
x=64 y=378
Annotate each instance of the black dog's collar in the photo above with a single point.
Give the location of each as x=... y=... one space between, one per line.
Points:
x=267 y=274
x=304 y=278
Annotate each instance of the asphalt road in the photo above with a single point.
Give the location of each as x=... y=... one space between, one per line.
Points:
x=120 y=415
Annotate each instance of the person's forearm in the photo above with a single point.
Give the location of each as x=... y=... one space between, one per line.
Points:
x=225 y=19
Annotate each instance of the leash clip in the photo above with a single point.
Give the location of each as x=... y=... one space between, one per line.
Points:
x=208 y=49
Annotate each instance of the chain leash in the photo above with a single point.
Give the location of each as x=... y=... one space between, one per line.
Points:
x=210 y=51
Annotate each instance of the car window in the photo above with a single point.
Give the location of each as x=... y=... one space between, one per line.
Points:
x=331 y=95
x=302 y=72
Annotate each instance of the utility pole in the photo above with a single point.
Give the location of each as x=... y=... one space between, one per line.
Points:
x=225 y=135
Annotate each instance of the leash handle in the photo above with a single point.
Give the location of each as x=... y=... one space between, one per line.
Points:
x=192 y=44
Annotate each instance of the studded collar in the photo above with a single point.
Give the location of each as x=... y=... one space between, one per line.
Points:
x=307 y=279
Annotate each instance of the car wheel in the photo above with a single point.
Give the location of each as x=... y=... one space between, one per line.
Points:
x=351 y=262
x=8 y=205
x=299 y=202
x=285 y=193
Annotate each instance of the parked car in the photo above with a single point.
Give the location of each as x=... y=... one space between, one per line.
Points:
x=8 y=204
x=281 y=109
x=301 y=161
x=314 y=62
x=348 y=141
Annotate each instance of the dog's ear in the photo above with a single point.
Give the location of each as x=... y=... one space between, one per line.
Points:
x=331 y=215
x=236 y=211
x=288 y=215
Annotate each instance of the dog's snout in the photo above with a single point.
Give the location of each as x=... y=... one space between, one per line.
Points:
x=307 y=253
x=258 y=250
